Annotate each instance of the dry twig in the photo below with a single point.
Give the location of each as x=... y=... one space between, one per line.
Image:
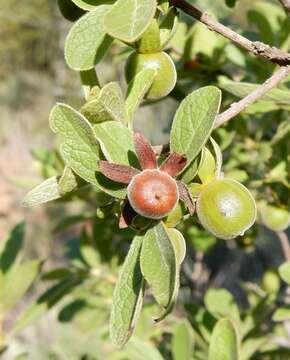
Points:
x=257 y=48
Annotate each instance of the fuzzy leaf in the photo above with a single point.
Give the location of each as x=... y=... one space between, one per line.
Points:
x=127 y=20
x=47 y=191
x=128 y=296
x=137 y=89
x=80 y=148
x=87 y=42
x=116 y=142
x=108 y=105
x=158 y=263
x=224 y=342
x=179 y=247
x=67 y=182
x=194 y=120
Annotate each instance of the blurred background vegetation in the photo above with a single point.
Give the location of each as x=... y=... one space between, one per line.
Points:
x=33 y=76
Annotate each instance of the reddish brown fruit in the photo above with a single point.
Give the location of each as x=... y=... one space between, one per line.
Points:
x=153 y=194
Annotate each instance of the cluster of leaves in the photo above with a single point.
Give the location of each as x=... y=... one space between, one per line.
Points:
x=253 y=150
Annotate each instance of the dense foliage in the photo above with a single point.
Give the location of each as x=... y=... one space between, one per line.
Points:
x=173 y=259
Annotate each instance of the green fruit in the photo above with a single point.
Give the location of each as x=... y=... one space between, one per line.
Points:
x=271 y=282
x=226 y=208
x=165 y=78
x=274 y=218
x=69 y=10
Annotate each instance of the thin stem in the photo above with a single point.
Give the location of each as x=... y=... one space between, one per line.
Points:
x=257 y=48
x=284 y=244
x=257 y=94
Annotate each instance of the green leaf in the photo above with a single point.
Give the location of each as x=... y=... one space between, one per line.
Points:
x=88 y=251
x=80 y=148
x=128 y=296
x=47 y=191
x=67 y=182
x=179 y=247
x=242 y=89
x=206 y=170
x=182 y=341
x=194 y=120
x=158 y=263
x=224 y=342
x=218 y=157
x=137 y=89
x=168 y=27
x=48 y=299
x=10 y=249
x=138 y=349
x=284 y=272
x=108 y=105
x=116 y=142
x=150 y=40
x=127 y=20
x=17 y=282
x=51 y=189
x=87 y=4
x=190 y=172
x=220 y=303
x=282 y=314
x=87 y=41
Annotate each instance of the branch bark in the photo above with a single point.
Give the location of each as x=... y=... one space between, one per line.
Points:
x=285 y=4
x=257 y=94
x=241 y=105
x=284 y=244
x=257 y=48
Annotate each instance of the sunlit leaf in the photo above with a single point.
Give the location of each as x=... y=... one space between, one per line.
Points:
x=87 y=41
x=128 y=296
x=224 y=342
x=194 y=121
x=127 y=20
x=158 y=263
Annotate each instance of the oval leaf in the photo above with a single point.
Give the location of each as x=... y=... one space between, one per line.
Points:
x=194 y=121
x=128 y=296
x=179 y=246
x=224 y=342
x=47 y=191
x=127 y=20
x=137 y=89
x=182 y=341
x=87 y=41
x=117 y=143
x=80 y=148
x=158 y=263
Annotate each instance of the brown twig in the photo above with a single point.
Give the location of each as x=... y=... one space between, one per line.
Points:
x=284 y=244
x=257 y=48
x=285 y=4
x=255 y=95
x=241 y=105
